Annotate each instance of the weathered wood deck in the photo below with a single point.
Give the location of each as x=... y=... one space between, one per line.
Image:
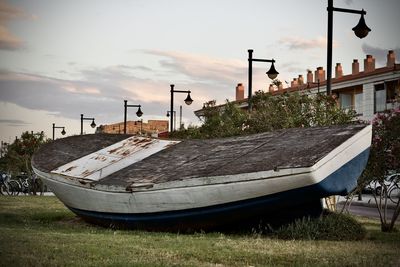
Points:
x=289 y=148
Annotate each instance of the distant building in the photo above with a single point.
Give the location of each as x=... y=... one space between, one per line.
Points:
x=367 y=92
x=135 y=127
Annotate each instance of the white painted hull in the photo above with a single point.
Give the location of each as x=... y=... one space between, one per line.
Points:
x=206 y=192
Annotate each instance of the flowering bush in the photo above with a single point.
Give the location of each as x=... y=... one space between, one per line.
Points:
x=384 y=159
x=385 y=148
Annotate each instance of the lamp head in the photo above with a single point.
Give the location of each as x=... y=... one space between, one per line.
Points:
x=272 y=73
x=167 y=113
x=139 y=112
x=63 y=132
x=93 y=124
x=188 y=100
x=361 y=30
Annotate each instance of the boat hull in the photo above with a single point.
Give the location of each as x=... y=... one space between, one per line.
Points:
x=236 y=203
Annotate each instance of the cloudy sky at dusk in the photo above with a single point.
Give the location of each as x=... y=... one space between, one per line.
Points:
x=59 y=59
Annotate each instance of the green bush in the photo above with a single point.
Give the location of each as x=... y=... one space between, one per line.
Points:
x=330 y=226
x=269 y=113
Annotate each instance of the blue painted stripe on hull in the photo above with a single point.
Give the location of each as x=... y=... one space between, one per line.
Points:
x=340 y=182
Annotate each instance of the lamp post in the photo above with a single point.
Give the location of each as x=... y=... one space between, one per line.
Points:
x=188 y=101
x=272 y=73
x=141 y=126
x=361 y=30
x=317 y=83
x=174 y=114
x=180 y=117
x=139 y=112
x=63 y=132
x=89 y=119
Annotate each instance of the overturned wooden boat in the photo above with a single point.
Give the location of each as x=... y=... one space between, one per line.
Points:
x=138 y=182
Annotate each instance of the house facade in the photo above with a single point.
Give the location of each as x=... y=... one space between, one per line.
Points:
x=367 y=91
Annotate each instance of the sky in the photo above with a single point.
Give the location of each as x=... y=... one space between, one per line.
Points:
x=60 y=59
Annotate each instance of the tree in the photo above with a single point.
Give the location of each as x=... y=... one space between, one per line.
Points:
x=19 y=154
x=276 y=83
x=384 y=159
x=219 y=121
x=296 y=110
x=270 y=112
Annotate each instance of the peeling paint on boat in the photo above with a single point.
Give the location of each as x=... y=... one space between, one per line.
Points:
x=99 y=164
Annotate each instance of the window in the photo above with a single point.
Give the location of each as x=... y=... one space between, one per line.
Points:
x=352 y=98
x=358 y=103
x=345 y=101
x=391 y=90
x=380 y=98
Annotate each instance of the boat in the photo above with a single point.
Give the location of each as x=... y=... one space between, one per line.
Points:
x=135 y=182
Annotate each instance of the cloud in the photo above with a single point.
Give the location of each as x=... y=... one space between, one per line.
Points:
x=210 y=78
x=202 y=68
x=295 y=43
x=99 y=92
x=9 y=41
x=348 y=2
x=292 y=67
x=143 y=68
x=8 y=12
x=65 y=97
x=380 y=53
x=14 y=122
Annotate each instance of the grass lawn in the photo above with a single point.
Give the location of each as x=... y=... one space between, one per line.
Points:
x=40 y=231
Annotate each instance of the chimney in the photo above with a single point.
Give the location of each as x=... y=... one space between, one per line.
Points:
x=301 y=80
x=271 y=88
x=355 y=67
x=239 y=92
x=294 y=83
x=320 y=74
x=369 y=63
x=338 y=70
x=280 y=87
x=391 y=58
x=309 y=76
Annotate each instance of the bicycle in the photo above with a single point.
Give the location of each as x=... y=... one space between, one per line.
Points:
x=30 y=185
x=8 y=186
x=37 y=185
x=394 y=189
x=4 y=184
x=24 y=185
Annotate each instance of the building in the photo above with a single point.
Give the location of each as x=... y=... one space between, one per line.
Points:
x=367 y=92
x=135 y=127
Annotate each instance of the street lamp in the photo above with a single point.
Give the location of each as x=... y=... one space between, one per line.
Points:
x=63 y=132
x=361 y=30
x=272 y=73
x=180 y=117
x=141 y=126
x=139 y=112
x=188 y=101
x=174 y=114
x=89 y=119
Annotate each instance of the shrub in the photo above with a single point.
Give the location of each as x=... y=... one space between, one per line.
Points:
x=330 y=226
x=270 y=112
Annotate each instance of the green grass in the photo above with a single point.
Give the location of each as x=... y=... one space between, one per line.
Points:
x=40 y=231
x=331 y=226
